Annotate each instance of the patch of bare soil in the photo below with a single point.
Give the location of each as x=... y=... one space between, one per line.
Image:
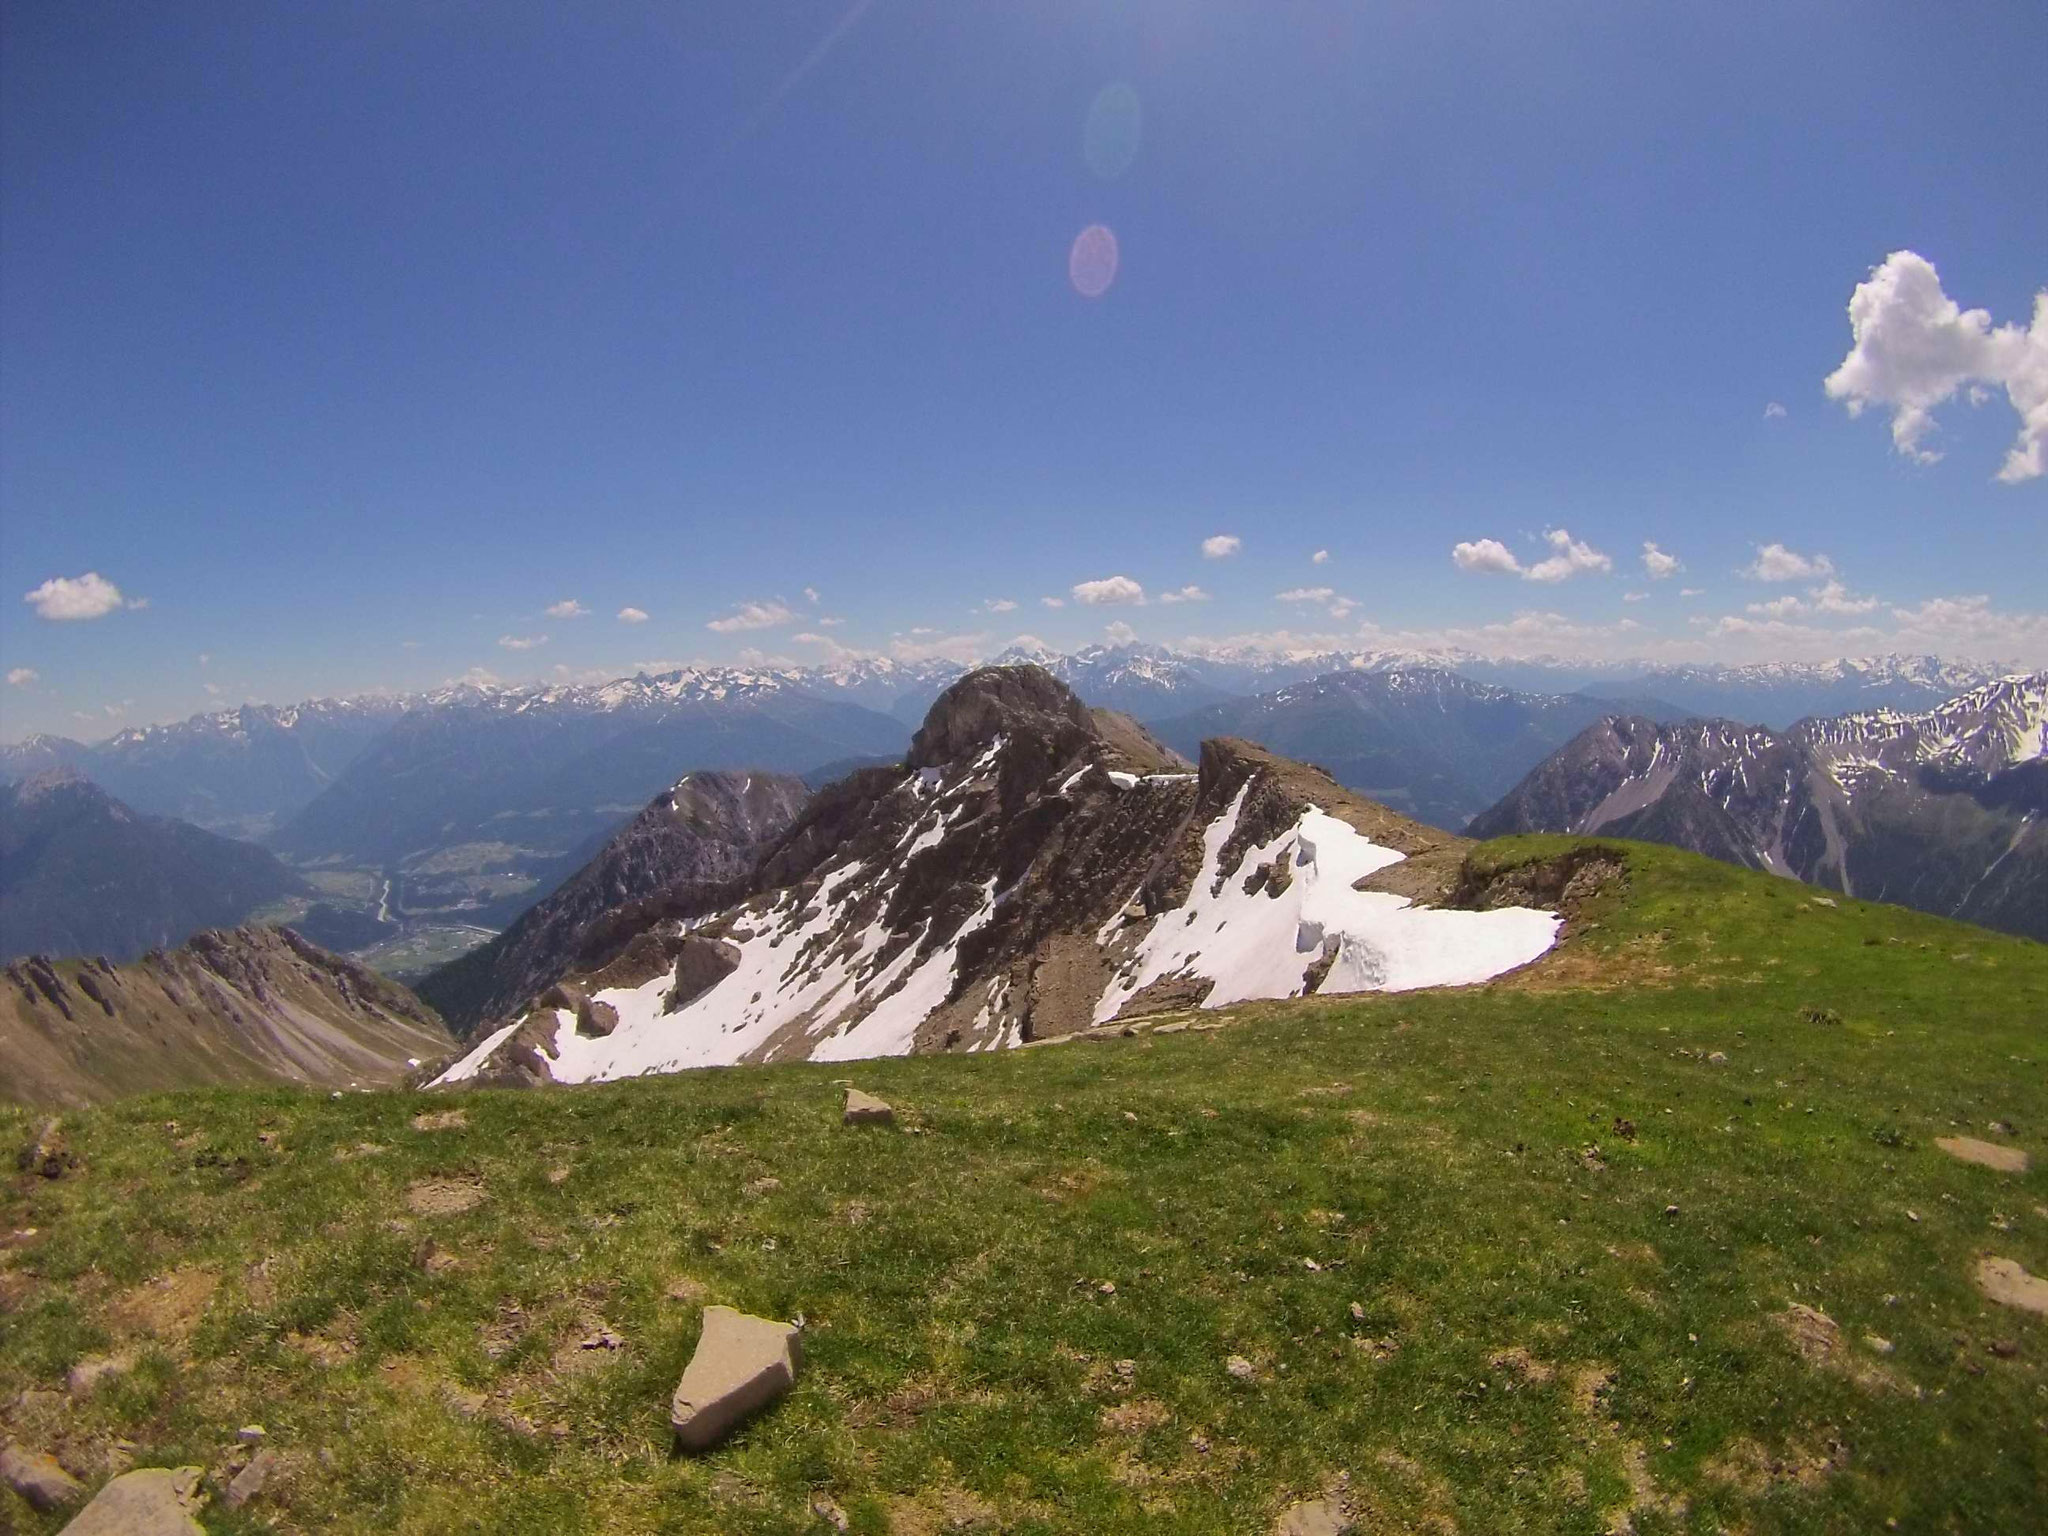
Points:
x=1748 y=1467
x=1135 y=1416
x=445 y=1196
x=2009 y=1284
x=169 y=1307
x=1818 y=1339
x=441 y=1120
x=1519 y=1362
x=1985 y=1154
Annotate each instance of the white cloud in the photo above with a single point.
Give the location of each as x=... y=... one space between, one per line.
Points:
x=1485 y=555
x=205 y=658
x=1833 y=597
x=1320 y=557
x=1110 y=589
x=1774 y=412
x=1692 y=591
x=522 y=642
x=810 y=595
x=213 y=690
x=475 y=677
x=1306 y=595
x=1633 y=597
x=1913 y=349
x=1221 y=546
x=1774 y=562
x=90 y=596
x=1187 y=594
x=999 y=605
x=1970 y=626
x=1779 y=607
x=757 y=615
x=1119 y=633
x=632 y=615
x=1571 y=558
x=1054 y=602
x=965 y=649
x=832 y=623
x=567 y=608
x=1659 y=565
x=21 y=677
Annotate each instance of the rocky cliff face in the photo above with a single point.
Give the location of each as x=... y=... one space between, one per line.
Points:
x=691 y=843
x=1028 y=871
x=247 y=1005
x=1946 y=810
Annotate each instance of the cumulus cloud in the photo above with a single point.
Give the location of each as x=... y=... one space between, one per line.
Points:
x=1692 y=591
x=21 y=677
x=757 y=615
x=1657 y=564
x=90 y=596
x=1774 y=562
x=1774 y=412
x=567 y=608
x=810 y=594
x=1187 y=594
x=1572 y=557
x=1485 y=555
x=1970 y=626
x=1110 y=589
x=1054 y=602
x=1634 y=597
x=1914 y=349
x=632 y=615
x=1320 y=557
x=1833 y=597
x=1119 y=633
x=522 y=642
x=1221 y=546
x=1000 y=605
x=1306 y=594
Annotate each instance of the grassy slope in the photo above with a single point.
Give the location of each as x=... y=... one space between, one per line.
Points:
x=1428 y=1152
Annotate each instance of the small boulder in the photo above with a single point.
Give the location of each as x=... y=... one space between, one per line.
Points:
x=48 y=1154
x=156 y=1501
x=1315 y=1517
x=2009 y=1284
x=37 y=1478
x=866 y=1109
x=250 y=1480
x=741 y=1364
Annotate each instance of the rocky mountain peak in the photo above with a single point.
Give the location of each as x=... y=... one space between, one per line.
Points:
x=51 y=782
x=1022 y=702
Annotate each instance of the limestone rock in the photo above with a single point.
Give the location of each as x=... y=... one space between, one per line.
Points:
x=1986 y=1154
x=37 y=1477
x=742 y=1364
x=156 y=1501
x=250 y=1480
x=866 y=1109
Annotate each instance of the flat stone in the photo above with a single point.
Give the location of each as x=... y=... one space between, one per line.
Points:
x=1986 y=1154
x=742 y=1364
x=866 y=1109
x=2010 y=1285
x=1172 y=1029
x=156 y=1501
x=250 y=1480
x=1318 y=1517
x=37 y=1477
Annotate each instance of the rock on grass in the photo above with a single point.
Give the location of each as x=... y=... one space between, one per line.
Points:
x=742 y=1364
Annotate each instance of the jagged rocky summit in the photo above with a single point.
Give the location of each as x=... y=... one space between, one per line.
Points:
x=1945 y=810
x=244 y=1005
x=1032 y=868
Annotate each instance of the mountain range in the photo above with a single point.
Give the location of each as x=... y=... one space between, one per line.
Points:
x=1028 y=870
x=81 y=873
x=1944 y=809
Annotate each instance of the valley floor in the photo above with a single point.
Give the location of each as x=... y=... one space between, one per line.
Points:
x=1655 y=1236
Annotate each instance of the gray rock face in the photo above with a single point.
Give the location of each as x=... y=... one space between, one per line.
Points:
x=742 y=1364
x=250 y=1480
x=37 y=1477
x=156 y=1501
x=866 y=1109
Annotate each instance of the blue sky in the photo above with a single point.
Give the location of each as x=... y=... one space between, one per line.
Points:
x=341 y=343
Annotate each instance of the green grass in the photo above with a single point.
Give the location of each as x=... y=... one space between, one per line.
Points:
x=1430 y=1154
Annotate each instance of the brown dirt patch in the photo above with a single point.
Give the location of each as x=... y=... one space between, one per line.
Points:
x=441 y=1120
x=1985 y=1154
x=1518 y=1361
x=1589 y=1385
x=1135 y=1416
x=1746 y=1466
x=1818 y=1339
x=168 y=1307
x=2009 y=1284
x=445 y=1196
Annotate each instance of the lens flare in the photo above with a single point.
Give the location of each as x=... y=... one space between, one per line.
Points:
x=1091 y=264
x=1109 y=139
